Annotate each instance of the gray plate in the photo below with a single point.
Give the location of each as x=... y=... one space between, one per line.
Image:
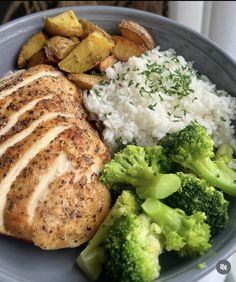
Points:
x=20 y=261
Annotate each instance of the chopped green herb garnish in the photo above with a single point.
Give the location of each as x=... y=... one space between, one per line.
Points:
x=222 y=118
x=161 y=98
x=184 y=112
x=119 y=143
x=152 y=106
x=143 y=91
x=135 y=69
x=104 y=82
x=134 y=141
x=160 y=78
x=107 y=114
x=122 y=76
x=174 y=59
x=198 y=75
x=220 y=93
x=97 y=93
x=130 y=83
x=176 y=116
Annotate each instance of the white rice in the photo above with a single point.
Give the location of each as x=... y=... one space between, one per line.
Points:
x=141 y=101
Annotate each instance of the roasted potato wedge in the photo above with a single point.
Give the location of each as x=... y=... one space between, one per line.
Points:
x=43 y=56
x=85 y=81
x=136 y=33
x=38 y=59
x=53 y=60
x=89 y=27
x=31 y=47
x=106 y=63
x=65 y=24
x=60 y=46
x=124 y=48
x=87 y=54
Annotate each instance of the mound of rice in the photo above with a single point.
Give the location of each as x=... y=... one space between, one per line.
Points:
x=157 y=93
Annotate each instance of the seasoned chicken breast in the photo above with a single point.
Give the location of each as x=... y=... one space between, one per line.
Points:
x=50 y=158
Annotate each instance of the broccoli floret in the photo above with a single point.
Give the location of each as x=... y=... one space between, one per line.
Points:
x=201 y=265
x=141 y=169
x=156 y=159
x=91 y=258
x=225 y=152
x=131 y=250
x=192 y=147
x=224 y=159
x=186 y=234
x=196 y=195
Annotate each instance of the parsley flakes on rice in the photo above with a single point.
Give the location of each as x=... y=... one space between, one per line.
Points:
x=158 y=93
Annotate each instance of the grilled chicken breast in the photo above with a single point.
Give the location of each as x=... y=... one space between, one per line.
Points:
x=50 y=159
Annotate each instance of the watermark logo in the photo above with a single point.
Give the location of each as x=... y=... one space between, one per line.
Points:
x=223 y=266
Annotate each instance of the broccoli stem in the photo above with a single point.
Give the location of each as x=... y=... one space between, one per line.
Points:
x=90 y=261
x=139 y=176
x=143 y=169
x=216 y=173
x=188 y=235
x=224 y=159
x=225 y=152
x=158 y=187
x=91 y=258
x=225 y=168
x=166 y=217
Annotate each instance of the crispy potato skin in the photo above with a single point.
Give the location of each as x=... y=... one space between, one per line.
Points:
x=64 y=24
x=136 y=33
x=38 y=58
x=85 y=81
x=87 y=54
x=31 y=47
x=124 y=48
x=43 y=56
x=89 y=27
x=60 y=46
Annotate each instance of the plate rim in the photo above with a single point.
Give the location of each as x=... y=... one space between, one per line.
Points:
x=223 y=253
